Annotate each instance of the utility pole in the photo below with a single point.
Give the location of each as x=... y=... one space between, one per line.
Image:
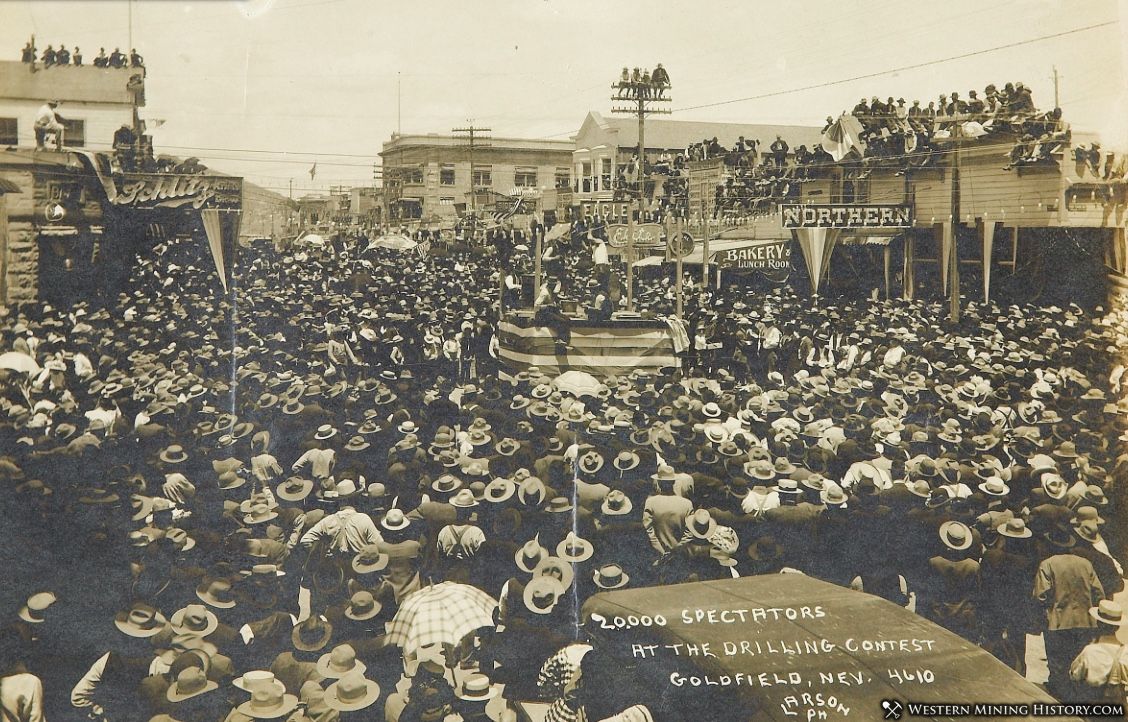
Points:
x=472 y=135
x=640 y=99
x=291 y=189
x=955 y=144
x=1057 y=81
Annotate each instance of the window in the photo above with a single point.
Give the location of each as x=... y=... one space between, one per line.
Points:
x=525 y=177
x=9 y=131
x=74 y=133
x=413 y=176
x=446 y=201
x=563 y=177
x=446 y=174
x=483 y=176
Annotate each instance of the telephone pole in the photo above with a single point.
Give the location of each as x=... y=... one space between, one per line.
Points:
x=1057 y=81
x=472 y=135
x=639 y=98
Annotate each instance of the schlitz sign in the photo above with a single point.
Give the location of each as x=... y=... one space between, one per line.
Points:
x=646 y=235
x=847 y=216
x=177 y=191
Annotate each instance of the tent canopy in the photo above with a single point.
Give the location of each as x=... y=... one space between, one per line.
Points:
x=774 y=637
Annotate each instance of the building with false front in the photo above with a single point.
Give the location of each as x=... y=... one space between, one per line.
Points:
x=94 y=102
x=428 y=177
x=1049 y=231
x=604 y=149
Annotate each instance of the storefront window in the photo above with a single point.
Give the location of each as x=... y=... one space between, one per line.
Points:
x=525 y=177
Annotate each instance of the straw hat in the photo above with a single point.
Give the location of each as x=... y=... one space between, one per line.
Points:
x=1109 y=612
x=477 y=688
x=610 y=576
x=351 y=692
x=530 y=555
x=556 y=568
x=616 y=503
x=339 y=662
x=362 y=606
x=268 y=703
x=955 y=535
x=294 y=489
x=140 y=621
x=189 y=683
x=216 y=593
x=541 y=594
x=369 y=559
x=395 y=520
x=194 y=620
x=1015 y=529
x=574 y=548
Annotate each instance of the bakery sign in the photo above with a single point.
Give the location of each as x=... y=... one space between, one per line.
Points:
x=151 y=191
x=846 y=216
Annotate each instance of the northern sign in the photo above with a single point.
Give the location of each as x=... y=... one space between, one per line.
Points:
x=846 y=216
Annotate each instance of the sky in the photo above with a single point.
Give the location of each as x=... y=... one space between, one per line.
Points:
x=266 y=88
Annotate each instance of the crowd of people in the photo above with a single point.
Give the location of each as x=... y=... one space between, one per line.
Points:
x=224 y=507
x=62 y=56
x=642 y=84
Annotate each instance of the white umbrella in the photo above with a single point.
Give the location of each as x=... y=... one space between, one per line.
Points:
x=17 y=361
x=578 y=383
x=395 y=242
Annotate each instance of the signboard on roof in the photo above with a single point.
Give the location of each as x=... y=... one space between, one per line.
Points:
x=150 y=191
x=847 y=216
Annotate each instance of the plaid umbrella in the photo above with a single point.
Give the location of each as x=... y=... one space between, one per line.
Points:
x=440 y=614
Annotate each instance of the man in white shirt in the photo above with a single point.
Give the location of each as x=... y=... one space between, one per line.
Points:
x=48 y=121
x=345 y=532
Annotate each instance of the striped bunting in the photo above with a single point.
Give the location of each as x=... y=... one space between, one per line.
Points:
x=599 y=350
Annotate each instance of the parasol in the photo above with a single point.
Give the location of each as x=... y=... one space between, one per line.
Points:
x=312 y=240
x=440 y=614
x=578 y=383
x=16 y=361
x=395 y=242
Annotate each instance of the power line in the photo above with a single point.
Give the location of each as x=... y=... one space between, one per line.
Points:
x=913 y=66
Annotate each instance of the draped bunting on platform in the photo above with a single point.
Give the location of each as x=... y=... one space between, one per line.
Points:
x=817 y=245
x=988 y=230
x=843 y=136
x=222 y=229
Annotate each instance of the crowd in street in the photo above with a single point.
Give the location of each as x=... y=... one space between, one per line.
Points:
x=321 y=497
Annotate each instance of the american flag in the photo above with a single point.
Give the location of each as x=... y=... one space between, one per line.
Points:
x=501 y=214
x=423 y=248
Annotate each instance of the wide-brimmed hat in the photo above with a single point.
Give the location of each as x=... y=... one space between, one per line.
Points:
x=362 y=606
x=311 y=634
x=499 y=490
x=994 y=486
x=464 y=499
x=267 y=702
x=787 y=486
x=541 y=594
x=260 y=514
x=253 y=679
x=1054 y=486
x=530 y=555
x=1094 y=496
x=616 y=503
x=765 y=548
x=140 y=620
x=610 y=576
x=294 y=489
x=590 y=462
x=446 y=484
x=626 y=460
x=351 y=692
x=832 y=494
x=531 y=491
x=477 y=688
x=556 y=568
x=191 y=681
x=395 y=520
x=955 y=535
x=559 y=505
x=1109 y=612
x=369 y=559
x=216 y=593
x=574 y=548
x=173 y=454
x=1088 y=530
x=507 y=446
x=1015 y=529
x=194 y=620
x=339 y=661
x=700 y=524
x=1086 y=513
x=142 y=506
